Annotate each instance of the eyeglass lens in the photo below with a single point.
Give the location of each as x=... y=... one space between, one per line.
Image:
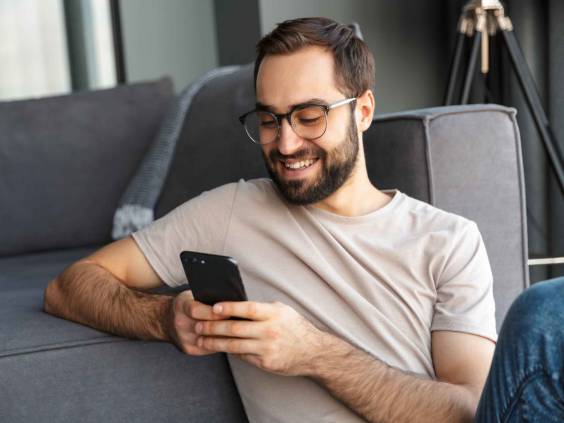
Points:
x=308 y=122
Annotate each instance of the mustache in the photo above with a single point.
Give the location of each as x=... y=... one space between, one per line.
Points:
x=275 y=155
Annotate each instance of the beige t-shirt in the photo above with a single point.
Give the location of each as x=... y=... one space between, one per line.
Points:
x=382 y=281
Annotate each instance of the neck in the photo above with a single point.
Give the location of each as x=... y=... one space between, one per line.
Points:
x=357 y=196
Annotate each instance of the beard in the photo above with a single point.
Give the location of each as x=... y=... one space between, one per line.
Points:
x=337 y=166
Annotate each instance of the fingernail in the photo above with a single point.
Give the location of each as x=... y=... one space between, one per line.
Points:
x=198 y=327
x=217 y=308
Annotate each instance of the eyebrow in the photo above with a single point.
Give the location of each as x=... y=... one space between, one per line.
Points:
x=269 y=108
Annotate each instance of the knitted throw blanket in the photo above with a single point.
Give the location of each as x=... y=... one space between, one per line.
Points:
x=137 y=204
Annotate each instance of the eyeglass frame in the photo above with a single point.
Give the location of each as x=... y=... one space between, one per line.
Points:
x=278 y=117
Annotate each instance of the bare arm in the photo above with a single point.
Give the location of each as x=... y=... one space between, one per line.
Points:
x=87 y=293
x=102 y=291
x=382 y=393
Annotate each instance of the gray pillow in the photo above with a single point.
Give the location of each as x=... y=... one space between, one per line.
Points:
x=65 y=161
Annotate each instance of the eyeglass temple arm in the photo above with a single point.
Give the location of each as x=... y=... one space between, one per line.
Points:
x=342 y=102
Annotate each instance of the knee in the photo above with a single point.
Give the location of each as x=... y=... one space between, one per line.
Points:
x=546 y=295
x=538 y=307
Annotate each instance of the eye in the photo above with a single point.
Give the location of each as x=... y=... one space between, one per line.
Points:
x=266 y=120
x=309 y=116
x=309 y=121
x=268 y=124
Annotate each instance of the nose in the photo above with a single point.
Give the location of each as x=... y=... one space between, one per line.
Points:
x=288 y=141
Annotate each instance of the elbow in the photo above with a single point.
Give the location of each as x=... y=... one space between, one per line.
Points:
x=56 y=293
x=51 y=296
x=468 y=415
x=470 y=403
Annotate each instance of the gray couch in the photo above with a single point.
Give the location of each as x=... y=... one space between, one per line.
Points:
x=64 y=163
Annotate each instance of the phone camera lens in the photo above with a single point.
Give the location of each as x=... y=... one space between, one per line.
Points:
x=203 y=262
x=194 y=260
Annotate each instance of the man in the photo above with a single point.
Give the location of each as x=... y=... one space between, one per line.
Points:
x=362 y=304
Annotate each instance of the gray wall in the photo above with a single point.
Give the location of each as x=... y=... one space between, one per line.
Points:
x=185 y=38
x=238 y=30
x=406 y=37
x=170 y=37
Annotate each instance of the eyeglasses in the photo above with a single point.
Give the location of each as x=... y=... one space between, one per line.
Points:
x=308 y=121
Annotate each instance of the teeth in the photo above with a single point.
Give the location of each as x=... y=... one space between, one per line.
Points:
x=299 y=165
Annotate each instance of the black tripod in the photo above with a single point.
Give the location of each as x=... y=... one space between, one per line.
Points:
x=479 y=20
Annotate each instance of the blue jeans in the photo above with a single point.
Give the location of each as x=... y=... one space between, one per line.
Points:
x=526 y=380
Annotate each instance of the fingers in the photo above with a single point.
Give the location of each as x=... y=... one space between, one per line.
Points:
x=189 y=342
x=186 y=338
x=251 y=310
x=230 y=345
x=187 y=311
x=201 y=311
x=232 y=328
x=185 y=303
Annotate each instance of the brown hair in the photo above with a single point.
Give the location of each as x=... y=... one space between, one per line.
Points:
x=354 y=63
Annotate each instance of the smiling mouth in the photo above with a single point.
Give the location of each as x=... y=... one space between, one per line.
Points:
x=298 y=165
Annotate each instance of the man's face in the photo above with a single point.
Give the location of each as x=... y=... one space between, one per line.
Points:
x=302 y=77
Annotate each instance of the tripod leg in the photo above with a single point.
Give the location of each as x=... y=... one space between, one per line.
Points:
x=471 y=67
x=454 y=69
x=531 y=94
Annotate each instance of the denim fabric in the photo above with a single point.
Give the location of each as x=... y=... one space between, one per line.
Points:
x=526 y=380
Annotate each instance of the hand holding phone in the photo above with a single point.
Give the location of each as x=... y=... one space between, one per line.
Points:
x=186 y=312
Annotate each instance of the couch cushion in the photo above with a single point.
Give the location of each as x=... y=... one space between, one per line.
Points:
x=23 y=324
x=56 y=370
x=64 y=162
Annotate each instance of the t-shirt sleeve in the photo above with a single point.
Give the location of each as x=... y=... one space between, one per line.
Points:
x=465 y=301
x=200 y=224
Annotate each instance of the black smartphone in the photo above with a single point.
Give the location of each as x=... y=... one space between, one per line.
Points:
x=213 y=278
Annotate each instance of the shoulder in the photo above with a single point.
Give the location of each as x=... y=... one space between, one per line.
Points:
x=443 y=232
x=226 y=195
x=428 y=218
x=258 y=186
x=453 y=242
x=259 y=190
x=221 y=195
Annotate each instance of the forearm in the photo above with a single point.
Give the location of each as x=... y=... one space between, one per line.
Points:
x=381 y=393
x=88 y=294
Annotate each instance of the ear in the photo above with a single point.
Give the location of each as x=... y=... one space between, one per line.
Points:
x=364 y=110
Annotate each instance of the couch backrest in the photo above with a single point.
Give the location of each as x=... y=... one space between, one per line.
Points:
x=213 y=149
x=65 y=161
x=463 y=159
